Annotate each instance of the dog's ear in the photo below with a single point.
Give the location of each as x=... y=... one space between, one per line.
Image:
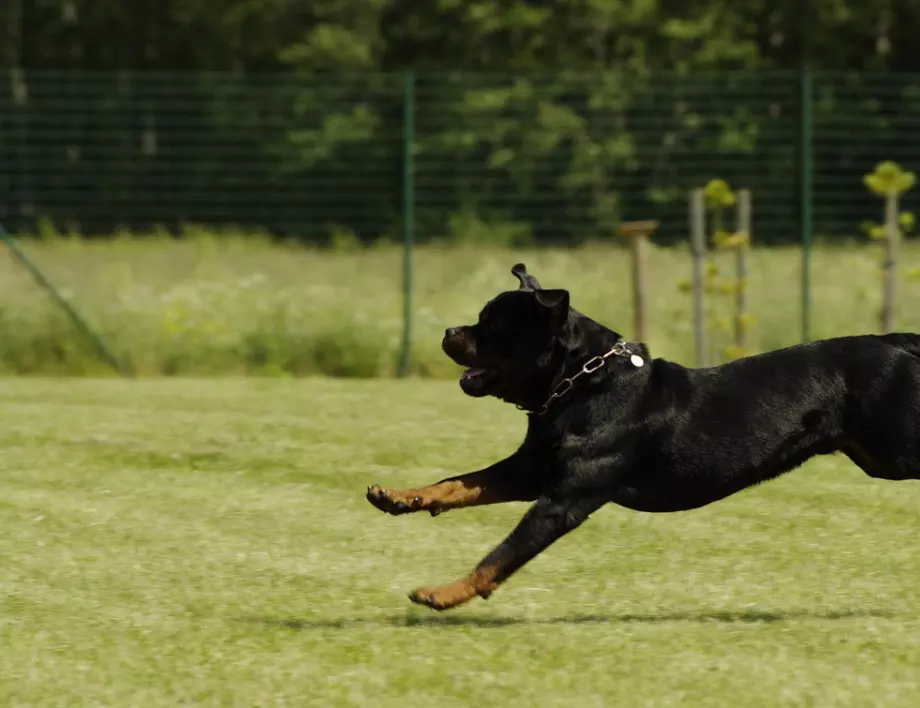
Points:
x=557 y=303
x=528 y=282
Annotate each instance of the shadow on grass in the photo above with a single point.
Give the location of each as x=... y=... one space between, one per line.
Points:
x=436 y=620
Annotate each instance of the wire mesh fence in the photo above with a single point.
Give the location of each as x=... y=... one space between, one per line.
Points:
x=497 y=158
x=566 y=158
x=860 y=119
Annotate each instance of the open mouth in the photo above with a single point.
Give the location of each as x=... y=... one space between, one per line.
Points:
x=472 y=373
x=478 y=380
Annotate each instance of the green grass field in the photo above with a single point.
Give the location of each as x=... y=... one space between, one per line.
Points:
x=182 y=542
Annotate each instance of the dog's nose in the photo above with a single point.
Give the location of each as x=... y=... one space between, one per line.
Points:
x=451 y=332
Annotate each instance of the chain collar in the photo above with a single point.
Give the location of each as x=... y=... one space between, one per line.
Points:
x=589 y=367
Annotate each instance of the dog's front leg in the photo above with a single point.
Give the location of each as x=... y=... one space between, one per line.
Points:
x=545 y=522
x=512 y=479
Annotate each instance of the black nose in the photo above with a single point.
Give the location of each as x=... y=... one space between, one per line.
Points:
x=451 y=332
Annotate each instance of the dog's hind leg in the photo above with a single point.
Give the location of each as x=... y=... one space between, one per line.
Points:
x=506 y=481
x=545 y=522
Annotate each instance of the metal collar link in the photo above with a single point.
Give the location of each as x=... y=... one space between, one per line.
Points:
x=589 y=367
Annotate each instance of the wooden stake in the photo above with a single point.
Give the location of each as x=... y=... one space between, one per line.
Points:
x=743 y=226
x=639 y=232
x=892 y=237
x=698 y=249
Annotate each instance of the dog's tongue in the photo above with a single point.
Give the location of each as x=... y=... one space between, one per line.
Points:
x=472 y=373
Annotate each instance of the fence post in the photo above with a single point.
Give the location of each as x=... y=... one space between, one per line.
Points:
x=408 y=205
x=743 y=227
x=805 y=191
x=892 y=236
x=638 y=232
x=698 y=249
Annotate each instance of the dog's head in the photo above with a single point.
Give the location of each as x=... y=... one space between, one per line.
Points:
x=514 y=349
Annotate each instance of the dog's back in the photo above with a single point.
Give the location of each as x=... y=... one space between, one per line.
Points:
x=905 y=341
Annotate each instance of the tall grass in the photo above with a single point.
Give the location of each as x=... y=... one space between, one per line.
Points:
x=215 y=304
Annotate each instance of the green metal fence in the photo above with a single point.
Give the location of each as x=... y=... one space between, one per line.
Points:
x=529 y=158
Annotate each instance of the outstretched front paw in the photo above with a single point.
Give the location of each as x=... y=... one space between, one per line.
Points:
x=438 y=598
x=397 y=502
x=447 y=596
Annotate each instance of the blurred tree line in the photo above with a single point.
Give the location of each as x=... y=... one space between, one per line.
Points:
x=512 y=35
x=546 y=120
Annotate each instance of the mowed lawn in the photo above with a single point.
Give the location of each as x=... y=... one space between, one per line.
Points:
x=172 y=542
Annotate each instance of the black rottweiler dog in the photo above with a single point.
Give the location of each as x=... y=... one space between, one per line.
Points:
x=607 y=423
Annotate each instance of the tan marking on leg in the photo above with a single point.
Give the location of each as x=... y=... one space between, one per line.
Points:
x=465 y=491
x=481 y=582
